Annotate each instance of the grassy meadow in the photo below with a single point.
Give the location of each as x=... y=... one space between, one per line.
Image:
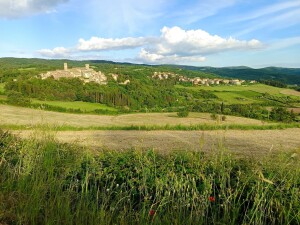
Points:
x=83 y=106
x=46 y=182
x=13 y=115
x=259 y=88
x=245 y=94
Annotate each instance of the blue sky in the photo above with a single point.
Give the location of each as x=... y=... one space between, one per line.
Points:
x=254 y=33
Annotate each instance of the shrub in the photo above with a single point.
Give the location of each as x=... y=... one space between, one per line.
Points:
x=16 y=98
x=282 y=114
x=183 y=113
x=227 y=111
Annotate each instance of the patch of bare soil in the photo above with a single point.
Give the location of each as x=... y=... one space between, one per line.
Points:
x=295 y=110
x=290 y=92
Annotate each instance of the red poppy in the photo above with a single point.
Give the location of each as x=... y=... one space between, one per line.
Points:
x=211 y=199
x=151 y=212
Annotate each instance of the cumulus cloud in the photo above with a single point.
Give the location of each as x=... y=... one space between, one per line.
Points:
x=59 y=52
x=20 y=8
x=194 y=42
x=174 y=45
x=151 y=58
x=100 y=44
x=181 y=45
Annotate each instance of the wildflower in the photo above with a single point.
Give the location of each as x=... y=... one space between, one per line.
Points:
x=151 y=212
x=211 y=199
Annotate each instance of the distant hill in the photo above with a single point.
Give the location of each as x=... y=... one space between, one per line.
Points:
x=11 y=68
x=286 y=75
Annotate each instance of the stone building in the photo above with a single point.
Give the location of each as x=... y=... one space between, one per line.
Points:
x=86 y=74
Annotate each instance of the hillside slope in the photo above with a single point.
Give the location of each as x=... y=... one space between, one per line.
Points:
x=286 y=75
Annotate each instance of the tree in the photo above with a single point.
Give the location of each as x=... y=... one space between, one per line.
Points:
x=281 y=114
x=16 y=98
x=183 y=113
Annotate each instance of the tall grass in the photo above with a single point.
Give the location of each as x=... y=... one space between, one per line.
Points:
x=275 y=126
x=46 y=182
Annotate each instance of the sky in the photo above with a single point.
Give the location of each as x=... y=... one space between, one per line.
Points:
x=255 y=33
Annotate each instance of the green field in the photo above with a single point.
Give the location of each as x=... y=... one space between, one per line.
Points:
x=243 y=94
x=238 y=97
x=83 y=106
x=260 y=88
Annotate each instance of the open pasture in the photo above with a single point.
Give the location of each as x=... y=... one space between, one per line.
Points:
x=260 y=88
x=290 y=92
x=245 y=142
x=83 y=106
x=245 y=94
x=26 y=116
x=238 y=97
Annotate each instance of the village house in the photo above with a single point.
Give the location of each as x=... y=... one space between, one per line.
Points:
x=198 y=80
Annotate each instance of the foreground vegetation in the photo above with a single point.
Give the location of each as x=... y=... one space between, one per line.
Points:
x=275 y=126
x=45 y=182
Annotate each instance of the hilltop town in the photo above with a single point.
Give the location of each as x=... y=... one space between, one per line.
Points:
x=86 y=74
x=198 y=80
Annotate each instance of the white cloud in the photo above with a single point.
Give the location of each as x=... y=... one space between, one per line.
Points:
x=198 y=42
x=153 y=58
x=20 y=8
x=100 y=44
x=59 y=52
x=174 y=45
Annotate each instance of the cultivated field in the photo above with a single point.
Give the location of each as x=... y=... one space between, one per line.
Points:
x=245 y=94
x=290 y=92
x=26 y=116
x=250 y=142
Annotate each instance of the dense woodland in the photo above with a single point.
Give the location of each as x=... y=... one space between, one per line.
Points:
x=142 y=93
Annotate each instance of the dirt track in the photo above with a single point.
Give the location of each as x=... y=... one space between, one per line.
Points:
x=245 y=142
